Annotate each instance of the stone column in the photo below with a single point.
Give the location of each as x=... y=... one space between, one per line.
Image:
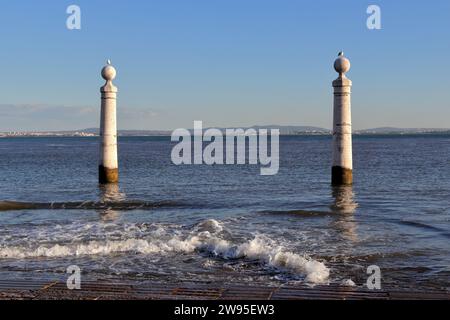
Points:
x=342 y=170
x=108 y=167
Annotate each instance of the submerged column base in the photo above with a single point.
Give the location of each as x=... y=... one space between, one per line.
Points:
x=106 y=175
x=341 y=176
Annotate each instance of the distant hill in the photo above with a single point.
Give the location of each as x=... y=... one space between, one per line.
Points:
x=302 y=130
x=135 y=133
x=295 y=130
x=284 y=130
x=393 y=130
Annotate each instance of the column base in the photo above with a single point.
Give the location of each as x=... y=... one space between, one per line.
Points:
x=106 y=175
x=341 y=176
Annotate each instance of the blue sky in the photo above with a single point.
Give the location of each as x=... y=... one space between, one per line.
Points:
x=226 y=62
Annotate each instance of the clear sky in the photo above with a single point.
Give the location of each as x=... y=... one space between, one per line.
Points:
x=226 y=62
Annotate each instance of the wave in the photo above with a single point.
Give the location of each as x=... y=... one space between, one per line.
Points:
x=87 y=205
x=264 y=250
x=300 y=213
x=205 y=238
x=423 y=226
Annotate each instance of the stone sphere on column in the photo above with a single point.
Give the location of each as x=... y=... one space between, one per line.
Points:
x=342 y=64
x=109 y=72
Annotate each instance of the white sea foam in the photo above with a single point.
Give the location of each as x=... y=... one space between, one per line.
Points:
x=264 y=250
x=349 y=283
x=90 y=248
x=206 y=237
x=210 y=225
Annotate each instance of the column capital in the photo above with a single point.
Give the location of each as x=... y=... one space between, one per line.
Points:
x=109 y=74
x=342 y=81
x=109 y=87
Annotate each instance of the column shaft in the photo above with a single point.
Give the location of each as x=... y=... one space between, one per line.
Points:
x=342 y=170
x=108 y=166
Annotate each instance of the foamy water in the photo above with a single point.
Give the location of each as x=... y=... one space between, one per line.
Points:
x=204 y=238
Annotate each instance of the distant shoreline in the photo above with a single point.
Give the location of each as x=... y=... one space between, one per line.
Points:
x=284 y=131
x=436 y=133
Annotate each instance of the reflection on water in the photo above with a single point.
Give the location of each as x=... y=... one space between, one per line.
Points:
x=110 y=193
x=345 y=207
x=343 y=200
